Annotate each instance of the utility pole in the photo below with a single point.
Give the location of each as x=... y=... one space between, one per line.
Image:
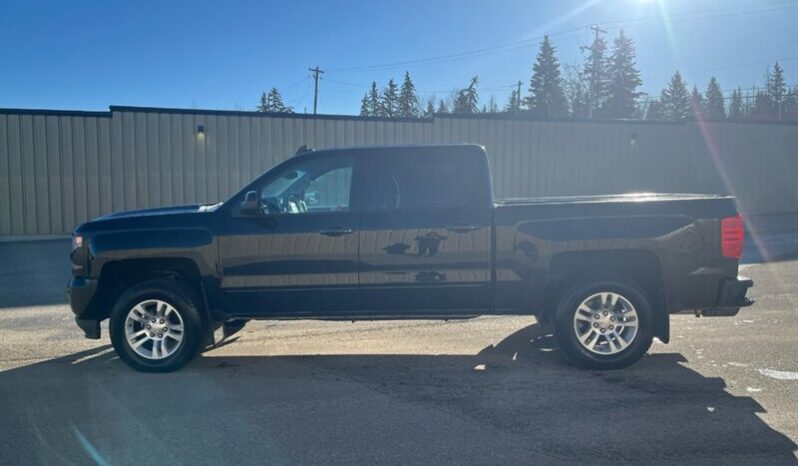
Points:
x=316 y=72
x=593 y=89
x=518 y=97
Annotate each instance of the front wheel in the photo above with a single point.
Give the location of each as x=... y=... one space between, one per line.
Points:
x=604 y=324
x=156 y=326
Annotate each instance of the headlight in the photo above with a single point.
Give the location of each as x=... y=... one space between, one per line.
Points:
x=78 y=256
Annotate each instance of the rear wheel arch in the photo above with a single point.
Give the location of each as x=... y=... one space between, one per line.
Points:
x=574 y=329
x=637 y=266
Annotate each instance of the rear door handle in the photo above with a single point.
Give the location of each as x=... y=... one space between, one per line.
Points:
x=462 y=227
x=336 y=231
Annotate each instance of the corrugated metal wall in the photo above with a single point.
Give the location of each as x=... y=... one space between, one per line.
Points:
x=58 y=169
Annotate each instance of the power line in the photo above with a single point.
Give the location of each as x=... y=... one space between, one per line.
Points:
x=707 y=14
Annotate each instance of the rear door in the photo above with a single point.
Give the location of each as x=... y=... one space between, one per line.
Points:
x=424 y=232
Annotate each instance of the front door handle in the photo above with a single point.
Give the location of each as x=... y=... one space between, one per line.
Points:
x=336 y=231
x=462 y=227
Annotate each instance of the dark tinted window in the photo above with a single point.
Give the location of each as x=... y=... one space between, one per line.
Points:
x=417 y=180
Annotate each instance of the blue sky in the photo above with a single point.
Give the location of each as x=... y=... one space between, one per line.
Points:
x=86 y=55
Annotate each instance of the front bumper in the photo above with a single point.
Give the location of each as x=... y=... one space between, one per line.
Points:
x=731 y=297
x=81 y=293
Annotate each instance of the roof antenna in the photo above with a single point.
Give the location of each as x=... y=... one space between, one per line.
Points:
x=303 y=149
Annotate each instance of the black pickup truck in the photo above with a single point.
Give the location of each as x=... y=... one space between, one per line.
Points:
x=405 y=232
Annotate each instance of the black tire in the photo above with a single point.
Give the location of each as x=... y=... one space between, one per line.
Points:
x=567 y=337
x=183 y=300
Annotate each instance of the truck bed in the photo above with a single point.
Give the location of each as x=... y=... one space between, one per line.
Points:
x=676 y=236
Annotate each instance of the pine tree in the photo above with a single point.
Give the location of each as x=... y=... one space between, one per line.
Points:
x=513 y=104
x=575 y=86
x=736 y=108
x=264 y=103
x=654 y=110
x=408 y=101
x=675 y=99
x=777 y=89
x=790 y=104
x=442 y=107
x=373 y=100
x=273 y=102
x=364 y=105
x=714 y=105
x=390 y=100
x=493 y=107
x=546 y=97
x=696 y=103
x=430 y=110
x=467 y=99
x=596 y=75
x=623 y=79
x=763 y=107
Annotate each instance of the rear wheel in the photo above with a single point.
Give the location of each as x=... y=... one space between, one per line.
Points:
x=604 y=324
x=156 y=326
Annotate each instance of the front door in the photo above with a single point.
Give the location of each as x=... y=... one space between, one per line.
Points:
x=297 y=255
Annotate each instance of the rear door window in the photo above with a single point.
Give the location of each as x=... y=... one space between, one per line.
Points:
x=415 y=180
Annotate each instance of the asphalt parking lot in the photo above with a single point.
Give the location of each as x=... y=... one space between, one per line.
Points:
x=492 y=390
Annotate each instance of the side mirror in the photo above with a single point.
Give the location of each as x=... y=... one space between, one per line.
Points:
x=249 y=205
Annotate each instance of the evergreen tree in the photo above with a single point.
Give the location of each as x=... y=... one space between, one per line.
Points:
x=467 y=99
x=546 y=97
x=736 y=107
x=430 y=110
x=696 y=103
x=575 y=87
x=493 y=107
x=364 y=105
x=623 y=79
x=714 y=105
x=654 y=110
x=763 y=107
x=389 y=104
x=513 y=104
x=264 y=103
x=442 y=107
x=777 y=88
x=675 y=99
x=596 y=75
x=790 y=104
x=273 y=102
x=373 y=100
x=408 y=101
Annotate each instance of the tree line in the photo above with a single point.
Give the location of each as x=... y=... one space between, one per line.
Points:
x=605 y=86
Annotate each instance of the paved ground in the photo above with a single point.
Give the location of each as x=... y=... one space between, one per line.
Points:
x=489 y=391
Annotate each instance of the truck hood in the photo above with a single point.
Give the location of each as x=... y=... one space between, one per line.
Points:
x=160 y=217
x=182 y=209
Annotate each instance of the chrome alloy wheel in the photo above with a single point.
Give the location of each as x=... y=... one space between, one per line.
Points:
x=606 y=323
x=154 y=329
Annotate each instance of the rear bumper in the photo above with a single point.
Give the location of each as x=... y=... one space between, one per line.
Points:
x=81 y=293
x=731 y=297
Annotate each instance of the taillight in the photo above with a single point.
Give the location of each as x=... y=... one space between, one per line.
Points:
x=731 y=236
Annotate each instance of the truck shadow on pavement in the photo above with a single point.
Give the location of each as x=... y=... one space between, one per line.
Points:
x=515 y=402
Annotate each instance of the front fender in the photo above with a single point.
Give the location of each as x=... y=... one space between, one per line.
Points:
x=195 y=244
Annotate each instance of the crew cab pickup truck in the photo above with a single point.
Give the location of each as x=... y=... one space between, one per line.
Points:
x=405 y=232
